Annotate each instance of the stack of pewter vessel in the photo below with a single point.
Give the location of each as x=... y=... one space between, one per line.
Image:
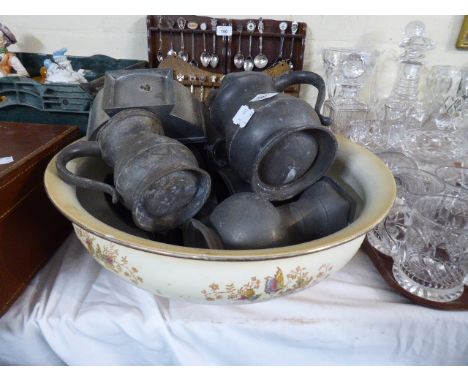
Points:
x=244 y=170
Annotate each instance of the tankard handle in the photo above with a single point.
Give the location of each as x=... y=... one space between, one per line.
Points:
x=310 y=78
x=78 y=150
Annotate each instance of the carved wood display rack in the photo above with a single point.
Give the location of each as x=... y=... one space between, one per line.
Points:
x=165 y=31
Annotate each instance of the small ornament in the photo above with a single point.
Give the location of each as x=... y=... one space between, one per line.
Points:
x=61 y=70
x=10 y=65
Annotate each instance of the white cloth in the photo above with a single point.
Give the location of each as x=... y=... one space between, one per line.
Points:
x=75 y=312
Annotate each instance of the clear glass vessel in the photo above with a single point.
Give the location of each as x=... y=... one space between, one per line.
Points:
x=431 y=263
x=370 y=133
x=433 y=148
x=456 y=180
x=347 y=71
x=396 y=160
x=405 y=92
x=442 y=84
x=413 y=184
x=390 y=235
x=415 y=45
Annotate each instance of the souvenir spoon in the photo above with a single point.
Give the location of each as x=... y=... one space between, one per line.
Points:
x=229 y=46
x=159 y=53
x=213 y=79
x=239 y=57
x=171 y=51
x=294 y=28
x=182 y=53
x=192 y=80
x=202 y=87
x=180 y=77
x=249 y=63
x=260 y=59
x=282 y=26
x=205 y=57
x=193 y=25
x=214 y=57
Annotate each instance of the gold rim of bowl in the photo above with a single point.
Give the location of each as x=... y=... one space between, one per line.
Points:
x=377 y=204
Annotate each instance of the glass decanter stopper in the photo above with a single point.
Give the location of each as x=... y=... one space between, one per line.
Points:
x=346 y=73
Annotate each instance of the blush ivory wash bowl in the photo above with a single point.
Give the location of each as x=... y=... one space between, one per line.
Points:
x=223 y=276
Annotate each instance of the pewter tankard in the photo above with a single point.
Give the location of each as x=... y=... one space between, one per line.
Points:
x=276 y=142
x=156 y=177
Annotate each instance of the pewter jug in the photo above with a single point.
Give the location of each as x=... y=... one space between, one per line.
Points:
x=245 y=220
x=275 y=141
x=155 y=177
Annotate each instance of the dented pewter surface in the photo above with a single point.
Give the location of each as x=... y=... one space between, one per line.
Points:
x=155 y=177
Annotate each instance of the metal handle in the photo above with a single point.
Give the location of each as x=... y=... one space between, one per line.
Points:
x=292 y=48
x=309 y=78
x=172 y=45
x=182 y=45
x=78 y=150
x=193 y=45
x=280 y=56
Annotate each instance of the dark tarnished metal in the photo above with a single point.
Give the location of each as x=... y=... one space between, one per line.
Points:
x=97 y=116
x=247 y=221
x=283 y=148
x=147 y=89
x=156 y=177
x=154 y=90
x=185 y=121
x=197 y=235
x=232 y=181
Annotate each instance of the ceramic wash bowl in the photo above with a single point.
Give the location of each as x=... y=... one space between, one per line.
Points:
x=223 y=276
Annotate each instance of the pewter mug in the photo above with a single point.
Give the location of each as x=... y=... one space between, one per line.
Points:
x=156 y=177
x=245 y=220
x=283 y=148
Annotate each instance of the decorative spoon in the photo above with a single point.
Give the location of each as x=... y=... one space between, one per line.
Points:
x=170 y=24
x=213 y=79
x=159 y=53
x=180 y=77
x=214 y=57
x=205 y=57
x=192 y=79
x=260 y=59
x=229 y=46
x=249 y=63
x=282 y=26
x=202 y=87
x=294 y=28
x=239 y=57
x=193 y=25
x=181 y=22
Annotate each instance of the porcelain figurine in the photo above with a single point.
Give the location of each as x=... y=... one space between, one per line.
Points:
x=10 y=65
x=61 y=70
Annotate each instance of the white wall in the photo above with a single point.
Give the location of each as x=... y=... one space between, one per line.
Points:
x=125 y=37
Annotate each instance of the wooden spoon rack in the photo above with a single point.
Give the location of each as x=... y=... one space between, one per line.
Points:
x=226 y=48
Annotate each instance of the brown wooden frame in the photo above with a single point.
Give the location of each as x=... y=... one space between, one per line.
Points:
x=462 y=42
